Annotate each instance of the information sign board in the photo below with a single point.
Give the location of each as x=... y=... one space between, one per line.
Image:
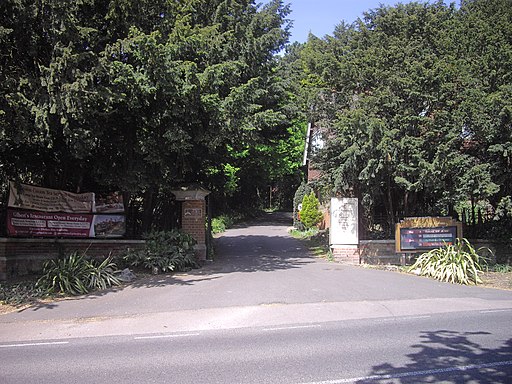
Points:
x=413 y=239
x=344 y=222
x=418 y=234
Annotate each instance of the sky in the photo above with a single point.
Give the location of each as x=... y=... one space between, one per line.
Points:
x=321 y=16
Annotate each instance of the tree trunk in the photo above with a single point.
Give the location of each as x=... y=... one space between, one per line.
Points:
x=406 y=204
x=148 y=207
x=391 y=215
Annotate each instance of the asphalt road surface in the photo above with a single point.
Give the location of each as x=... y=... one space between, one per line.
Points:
x=265 y=311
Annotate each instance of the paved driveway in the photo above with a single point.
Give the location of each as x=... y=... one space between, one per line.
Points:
x=261 y=276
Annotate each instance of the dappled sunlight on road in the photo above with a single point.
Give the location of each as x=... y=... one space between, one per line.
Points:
x=449 y=357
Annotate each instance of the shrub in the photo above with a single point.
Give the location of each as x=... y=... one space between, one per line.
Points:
x=19 y=293
x=76 y=275
x=457 y=263
x=303 y=190
x=221 y=223
x=103 y=275
x=164 y=251
x=502 y=268
x=310 y=215
x=218 y=225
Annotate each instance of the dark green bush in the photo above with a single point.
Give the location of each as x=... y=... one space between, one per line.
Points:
x=164 y=251
x=19 y=293
x=502 y=268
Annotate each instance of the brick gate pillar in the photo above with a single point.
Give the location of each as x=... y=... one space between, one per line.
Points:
x=193 y=215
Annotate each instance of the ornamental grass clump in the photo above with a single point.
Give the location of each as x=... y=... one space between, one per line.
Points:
x=77 y=275
x=454 y=263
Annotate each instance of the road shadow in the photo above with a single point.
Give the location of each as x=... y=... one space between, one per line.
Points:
x=253 y=253
x=267 y=218
x=236 y=251
x=449 y=357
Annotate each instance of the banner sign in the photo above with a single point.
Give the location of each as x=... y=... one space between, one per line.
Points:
x=43 y=212
x=23 y=223
x=29 y=223
x=109 y=203
x=25 y=196
x=109 y=225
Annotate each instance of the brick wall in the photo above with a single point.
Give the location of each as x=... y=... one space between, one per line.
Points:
x=193 y=223
x=378 y=252
x=313 y=174
x=20 y=257
x=383 y=252
x=326 y=218
x=346 y=254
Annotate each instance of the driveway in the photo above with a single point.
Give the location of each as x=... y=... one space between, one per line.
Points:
x=260 y=277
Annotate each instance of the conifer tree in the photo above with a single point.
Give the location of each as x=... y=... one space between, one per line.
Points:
x=310 y=215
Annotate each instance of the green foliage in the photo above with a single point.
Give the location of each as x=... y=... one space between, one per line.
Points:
x=218 y=225
x=232 y=179
x=221 y=223
x=502 y=268
x=76 y=275
x=305 y=234
x=20 y=293
x=417 y=99
x=457 y=263
x=140 y=96
x=303 y=190
x=164 y=251
x=102 y=275
x=310 y=215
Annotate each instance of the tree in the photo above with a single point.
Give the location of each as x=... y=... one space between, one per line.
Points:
x=310 y=215
x=303 y=190
x=413 y=128
x=140 y=96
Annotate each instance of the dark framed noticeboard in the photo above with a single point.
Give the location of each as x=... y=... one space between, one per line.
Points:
x=419 y=234
x=416 y=239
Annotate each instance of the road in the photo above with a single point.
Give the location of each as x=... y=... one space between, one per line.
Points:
x=266 y=311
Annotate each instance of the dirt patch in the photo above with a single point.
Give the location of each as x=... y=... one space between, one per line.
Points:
x=497 y=280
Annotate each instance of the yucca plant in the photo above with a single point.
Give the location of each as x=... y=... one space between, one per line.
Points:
x=76 y=275
x=102 y=275
x=67 y=275
x=454 y=263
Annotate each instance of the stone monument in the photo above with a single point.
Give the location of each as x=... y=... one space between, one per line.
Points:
x=344 y=230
